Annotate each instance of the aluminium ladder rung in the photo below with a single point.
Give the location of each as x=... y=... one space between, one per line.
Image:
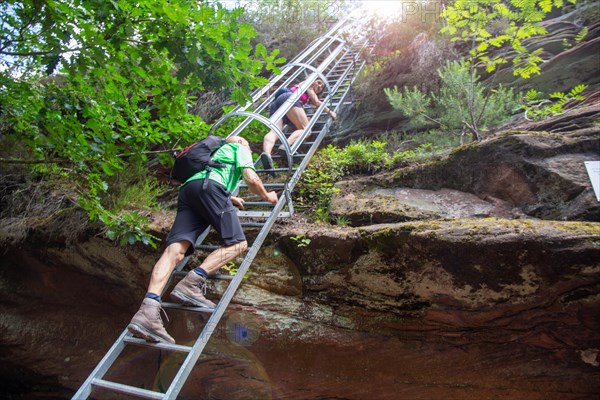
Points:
x=271 y=170
x=280 y=185
x=208 y=247
x=257 y=203
x=296 y=155
x=131 y=390
x=177 y=306
x=212 y=276
x=253 y=224
x=157 y=345
x=263 y=214
x=221 y=277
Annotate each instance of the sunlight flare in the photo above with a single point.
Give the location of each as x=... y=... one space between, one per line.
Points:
x=384 y=8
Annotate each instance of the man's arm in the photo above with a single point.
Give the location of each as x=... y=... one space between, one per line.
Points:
x=256 y=186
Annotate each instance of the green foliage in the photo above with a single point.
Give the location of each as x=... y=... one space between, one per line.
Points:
x=435 y=140
x=232 y=268
x=413 y=104
x=582 y=34
x=317 y=185
x=537 y=107
x=461 y=102
x=472 y=22
x=301 y=240
x=134 y=189
x=341 y=220
x=493 y=29
x=464 y=101
x=96 y=85
x=290 y=25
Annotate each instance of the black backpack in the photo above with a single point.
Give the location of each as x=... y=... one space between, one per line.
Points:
x=197 y=157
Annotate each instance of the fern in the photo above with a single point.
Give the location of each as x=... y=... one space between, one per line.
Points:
x=546 y=5
x=581 y=35
x=576 y=90
x=536 y=107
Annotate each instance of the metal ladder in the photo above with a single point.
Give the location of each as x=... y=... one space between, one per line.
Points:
x=336 y=59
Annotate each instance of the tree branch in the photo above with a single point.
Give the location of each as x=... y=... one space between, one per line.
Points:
x=20 y=161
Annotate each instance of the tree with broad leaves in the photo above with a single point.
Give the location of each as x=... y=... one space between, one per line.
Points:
x=91 y=85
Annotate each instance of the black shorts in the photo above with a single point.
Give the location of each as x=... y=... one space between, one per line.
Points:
x=198 y=208
x=274 y=106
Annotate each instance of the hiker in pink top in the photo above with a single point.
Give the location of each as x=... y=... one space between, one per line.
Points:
x=296 y=116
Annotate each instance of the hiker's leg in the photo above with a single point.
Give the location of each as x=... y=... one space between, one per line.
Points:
x=300 y=120
x=165 y=265
x=270 y=138
x=222 y=256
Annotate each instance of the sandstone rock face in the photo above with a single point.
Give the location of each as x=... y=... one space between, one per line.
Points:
x=465 y=308
x=512 y=175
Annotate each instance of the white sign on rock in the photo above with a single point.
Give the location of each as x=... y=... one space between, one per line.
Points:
x=593 y=170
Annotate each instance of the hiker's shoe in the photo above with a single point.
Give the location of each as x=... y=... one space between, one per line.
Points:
x=190 y=291
x=147 y=324
x=267 y=163
x=283 y=158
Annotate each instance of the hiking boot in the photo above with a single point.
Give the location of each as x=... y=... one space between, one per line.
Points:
x=267 y=163
x=147 y=324
x=283 y=158
x=190 y=291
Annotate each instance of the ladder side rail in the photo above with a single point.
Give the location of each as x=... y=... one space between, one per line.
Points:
x=331 y=40
x=287 y=105
x=103 y=365
x=295 y=178
x=197 y=348
x=315 y=45
x=236 y=111
x=316 y=115
x=268 y=100
x=342 y=27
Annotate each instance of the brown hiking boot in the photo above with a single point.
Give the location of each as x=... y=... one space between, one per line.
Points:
x=147 y=324
x=190 y=291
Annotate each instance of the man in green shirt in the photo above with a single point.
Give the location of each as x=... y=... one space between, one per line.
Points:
x=198 y=207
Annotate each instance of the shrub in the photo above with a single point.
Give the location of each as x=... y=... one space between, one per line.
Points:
x=462 y=99
x=316 y=186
